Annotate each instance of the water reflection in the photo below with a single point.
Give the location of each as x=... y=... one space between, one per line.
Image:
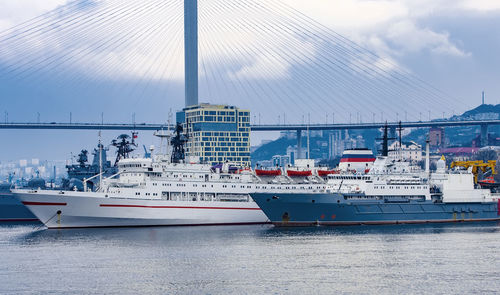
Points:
x=33 y=234
x=251 y=259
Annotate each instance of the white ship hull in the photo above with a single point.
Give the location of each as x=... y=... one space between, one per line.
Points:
x=80 y=209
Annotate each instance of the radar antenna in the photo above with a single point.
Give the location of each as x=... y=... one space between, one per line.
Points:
x=124 y=145
x=177 y=143
x=83 y=158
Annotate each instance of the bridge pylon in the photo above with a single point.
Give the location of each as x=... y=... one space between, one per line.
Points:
x=190 y=52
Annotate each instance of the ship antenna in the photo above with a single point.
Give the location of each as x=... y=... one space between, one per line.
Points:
x=100 y=161
x=400 y=129
x=308 y=122
x=169 y=121
x=385 y=141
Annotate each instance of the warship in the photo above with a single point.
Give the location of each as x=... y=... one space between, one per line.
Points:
x=391 y=192
x=11 y=209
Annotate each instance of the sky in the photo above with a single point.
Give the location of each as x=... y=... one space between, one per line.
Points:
x=452 y=45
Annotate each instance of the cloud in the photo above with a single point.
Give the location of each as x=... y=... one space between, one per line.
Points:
x=392 y=28
x=409 y=38
x=481 y=5
x=14 y=12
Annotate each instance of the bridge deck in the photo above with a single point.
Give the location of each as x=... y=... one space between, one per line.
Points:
x=266 y=127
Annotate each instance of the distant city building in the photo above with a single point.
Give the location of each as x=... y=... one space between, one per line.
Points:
x=281 y=160
x=217 y=133
x=436 y=137
x=409 y=151
x=291 y=152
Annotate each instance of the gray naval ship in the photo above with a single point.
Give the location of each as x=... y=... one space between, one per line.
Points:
x=124 y=145
x=391 y=192
x=11 y=210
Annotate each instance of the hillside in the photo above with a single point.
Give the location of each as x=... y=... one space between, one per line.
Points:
x=455 y=136
x=482 y=112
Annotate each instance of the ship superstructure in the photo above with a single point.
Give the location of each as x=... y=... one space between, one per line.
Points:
x=357 y=160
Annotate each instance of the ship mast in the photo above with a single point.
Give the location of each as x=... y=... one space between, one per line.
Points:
x=100 y=161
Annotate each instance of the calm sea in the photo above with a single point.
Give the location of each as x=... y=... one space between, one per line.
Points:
x=402 y=259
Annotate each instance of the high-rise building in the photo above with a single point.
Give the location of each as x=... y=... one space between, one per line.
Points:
x=436 y=137
x=217 y=133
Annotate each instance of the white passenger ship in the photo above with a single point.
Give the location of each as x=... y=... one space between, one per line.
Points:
x=161 y=190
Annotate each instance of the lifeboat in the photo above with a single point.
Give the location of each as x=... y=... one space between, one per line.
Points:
x=299 y=173
x=327 y=172
x=262 y=172
x=489 y=182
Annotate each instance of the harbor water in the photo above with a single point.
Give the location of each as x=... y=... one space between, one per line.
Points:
x=259 y=259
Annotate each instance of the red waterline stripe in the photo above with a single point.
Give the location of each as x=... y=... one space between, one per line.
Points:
x=175 y=207
x=44 y=204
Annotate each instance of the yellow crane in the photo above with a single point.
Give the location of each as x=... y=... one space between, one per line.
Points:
x=476 y=165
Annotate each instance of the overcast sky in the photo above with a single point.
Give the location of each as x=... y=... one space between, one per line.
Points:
x=452 y=44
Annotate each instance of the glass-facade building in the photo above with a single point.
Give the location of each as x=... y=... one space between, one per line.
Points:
x=217 y=133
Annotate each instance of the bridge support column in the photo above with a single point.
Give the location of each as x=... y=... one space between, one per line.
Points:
x=299 y=144
x=484 y=135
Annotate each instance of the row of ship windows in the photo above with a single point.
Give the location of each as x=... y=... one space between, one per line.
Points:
x=132 y=165
x=234 y=186
x=291 y=187
x=220 y=159
x=350 y=177
x=174 y=176
x=247 y=186
x=242 y=186
x=132 y=174
x=399 y=187
x=147 y=194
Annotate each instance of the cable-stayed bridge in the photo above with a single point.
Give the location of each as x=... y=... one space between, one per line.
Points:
x=263 y=55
